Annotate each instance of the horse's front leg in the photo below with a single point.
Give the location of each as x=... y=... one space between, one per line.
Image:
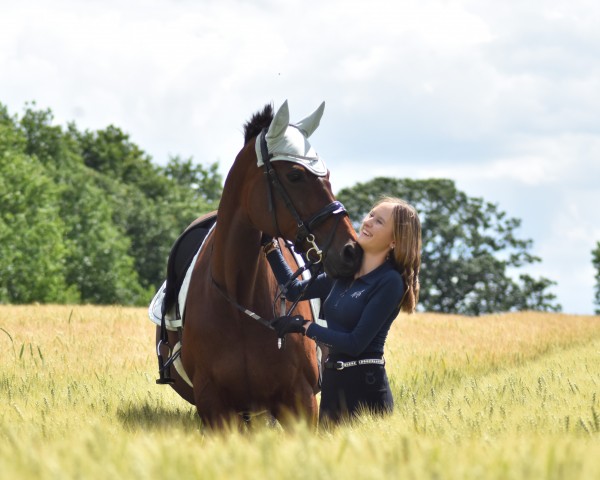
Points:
x=213 y=409
x=300 y=403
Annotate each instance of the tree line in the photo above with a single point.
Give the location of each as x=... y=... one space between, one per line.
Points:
x=87 y=217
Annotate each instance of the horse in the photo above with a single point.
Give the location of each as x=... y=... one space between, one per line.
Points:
x=277 y=186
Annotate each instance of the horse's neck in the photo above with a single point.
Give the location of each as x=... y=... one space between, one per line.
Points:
x=235 y=262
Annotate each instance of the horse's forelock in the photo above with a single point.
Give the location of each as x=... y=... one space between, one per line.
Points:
x=257 y=122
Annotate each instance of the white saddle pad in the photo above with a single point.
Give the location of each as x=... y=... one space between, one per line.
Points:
x=155 y=309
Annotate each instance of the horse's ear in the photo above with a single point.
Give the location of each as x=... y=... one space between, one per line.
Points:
x=310 y=123
x=280 y=122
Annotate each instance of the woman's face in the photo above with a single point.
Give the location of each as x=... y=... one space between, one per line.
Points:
x=376 y=232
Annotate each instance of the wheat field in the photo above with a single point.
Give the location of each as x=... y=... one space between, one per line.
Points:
x=496 y=397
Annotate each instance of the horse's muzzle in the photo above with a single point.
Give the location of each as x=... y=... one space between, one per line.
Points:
x=343 y=263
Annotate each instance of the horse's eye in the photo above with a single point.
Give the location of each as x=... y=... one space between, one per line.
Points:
x=294 y=176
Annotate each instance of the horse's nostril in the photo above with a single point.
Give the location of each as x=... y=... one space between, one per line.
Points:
x=351 y=253
x=346 y=263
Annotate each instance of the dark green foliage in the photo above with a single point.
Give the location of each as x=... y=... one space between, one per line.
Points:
x=596 y=265
x=32 y=253
x=86 y=216
x=469 y=246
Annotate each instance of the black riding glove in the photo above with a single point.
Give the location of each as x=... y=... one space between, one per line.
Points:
x=265 y=239
x=289 y=324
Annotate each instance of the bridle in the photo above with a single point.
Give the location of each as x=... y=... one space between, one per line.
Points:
x=305 y=228
x=314 y=254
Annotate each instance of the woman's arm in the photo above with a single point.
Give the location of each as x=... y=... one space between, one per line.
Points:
x=319 y=288
x=381 y=306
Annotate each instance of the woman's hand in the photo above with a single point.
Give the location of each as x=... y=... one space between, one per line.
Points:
x=265 y=239
x=289 y=324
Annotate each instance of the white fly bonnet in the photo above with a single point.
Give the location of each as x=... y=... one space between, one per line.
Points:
x=288 y=142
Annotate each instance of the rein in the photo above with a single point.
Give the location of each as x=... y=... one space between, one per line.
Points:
x=250 y=313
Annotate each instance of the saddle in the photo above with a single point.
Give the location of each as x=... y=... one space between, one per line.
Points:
x=180 y=257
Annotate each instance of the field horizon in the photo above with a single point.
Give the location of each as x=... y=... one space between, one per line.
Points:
x=512 y=395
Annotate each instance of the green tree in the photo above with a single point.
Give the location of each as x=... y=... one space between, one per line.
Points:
x=86 y=216
x=99 y=259
x=97 y=263
x=112 y=153
x=151 y=205
x=596 y=264
x=47 y=142
x=468 y=248
x=32 y=252
x=205 y=182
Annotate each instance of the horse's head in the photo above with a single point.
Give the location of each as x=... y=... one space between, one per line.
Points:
x=296 y=196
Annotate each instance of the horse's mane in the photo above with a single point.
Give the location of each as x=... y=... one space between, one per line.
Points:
x=257 y=122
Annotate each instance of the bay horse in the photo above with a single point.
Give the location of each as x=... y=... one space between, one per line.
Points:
x=279 y=186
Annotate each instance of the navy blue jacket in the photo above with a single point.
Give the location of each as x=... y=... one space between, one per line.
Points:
x=359 y=312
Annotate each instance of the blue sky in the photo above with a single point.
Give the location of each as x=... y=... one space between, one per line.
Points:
x=501 y=97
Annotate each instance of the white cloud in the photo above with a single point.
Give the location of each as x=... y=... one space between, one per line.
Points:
x=560 y=160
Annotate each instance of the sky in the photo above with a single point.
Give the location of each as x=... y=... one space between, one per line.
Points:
x=503 y=97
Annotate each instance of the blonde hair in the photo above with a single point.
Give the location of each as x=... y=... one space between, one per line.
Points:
x=406 y=253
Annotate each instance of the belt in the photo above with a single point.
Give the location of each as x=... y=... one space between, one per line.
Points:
x=339 y=365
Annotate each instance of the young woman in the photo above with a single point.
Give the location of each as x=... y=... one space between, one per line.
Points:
x=360 y=310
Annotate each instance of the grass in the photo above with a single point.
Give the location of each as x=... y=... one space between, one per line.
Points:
x=501 y=396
